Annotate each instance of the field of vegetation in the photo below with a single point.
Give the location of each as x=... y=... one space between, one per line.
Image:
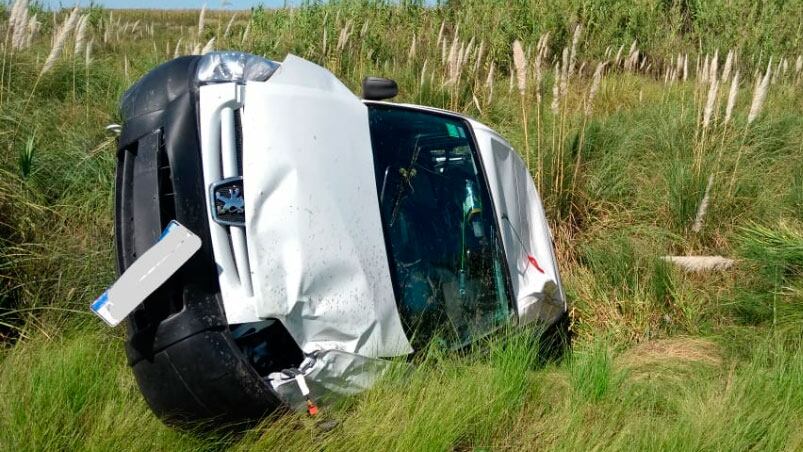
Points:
x=652 y=129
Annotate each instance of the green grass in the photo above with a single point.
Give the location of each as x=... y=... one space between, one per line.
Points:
x=662 y=359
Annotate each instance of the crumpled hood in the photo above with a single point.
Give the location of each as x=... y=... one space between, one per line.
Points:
x=315 y=241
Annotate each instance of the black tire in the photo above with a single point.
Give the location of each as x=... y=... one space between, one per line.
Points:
x=185 y=360
x=555 y=340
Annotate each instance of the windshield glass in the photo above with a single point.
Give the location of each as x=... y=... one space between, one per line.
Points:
x=446 y=257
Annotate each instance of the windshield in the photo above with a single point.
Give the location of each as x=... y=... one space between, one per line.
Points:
x=446 y=257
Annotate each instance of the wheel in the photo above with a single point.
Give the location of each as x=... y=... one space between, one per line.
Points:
x=554 y=340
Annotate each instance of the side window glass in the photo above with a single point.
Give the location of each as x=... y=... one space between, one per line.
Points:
x=447 y=259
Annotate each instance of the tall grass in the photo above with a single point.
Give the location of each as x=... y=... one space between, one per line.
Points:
x=641 y=147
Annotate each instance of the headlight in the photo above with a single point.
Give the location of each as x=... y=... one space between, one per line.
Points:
x=220 y=67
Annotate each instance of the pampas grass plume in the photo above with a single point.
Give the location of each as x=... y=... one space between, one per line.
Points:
x=80 y=35
x=201 y=20
x=228 y=26
x=595 y=84
x=60 y=40
x=209 y=47
x=732 y=97
x=556 y=90
x=520 y=62
x=760 y=95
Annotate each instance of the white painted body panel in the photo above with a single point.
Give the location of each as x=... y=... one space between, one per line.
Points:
x=315 y=240
x=524 y=229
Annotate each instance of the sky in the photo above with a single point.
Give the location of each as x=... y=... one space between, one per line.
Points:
x=172 y=4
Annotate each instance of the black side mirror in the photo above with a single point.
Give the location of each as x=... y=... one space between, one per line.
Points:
x=378 y=88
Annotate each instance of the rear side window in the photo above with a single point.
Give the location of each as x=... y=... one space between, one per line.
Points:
x=446 y=258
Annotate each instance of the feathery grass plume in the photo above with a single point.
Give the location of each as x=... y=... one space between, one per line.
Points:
x=323 y=44
x=14 y=13
x=88 y=52
x=595 y=84
x=461 y=58
x=18 y=23
x=424 y=71
x=60 y=40
x=632 y=61
x=453 y=61
x=489 y=82
x=618 y=57
x=245 y=32
x=469 y=48
x=80 y=35
x=343 y=37
x=686 y=67
x=134 y=27
x=538 y=73
x=364 y=29
x=209 y=47
x=556 y=90
x=476 y=103
x=480 y=55
x=412 y=51
x=776 y=73
x=126 y=68
x=202 y=20
x=732 y=97
x=799 y=64
x=564 y=78
x=33 y=30
x=444 y=51
x=228 y=26
x=543 y=46
x=703 y=208
x=760 y=95
x=696 y=264
x=511 y=82
x=578 y=29
x=440 y=34
x=520 y=63
x=726 y=71
x=632 y=56
x=197 y=49
x=714 y=67
x=713 y=89
x=177 y=51
x=702 y=77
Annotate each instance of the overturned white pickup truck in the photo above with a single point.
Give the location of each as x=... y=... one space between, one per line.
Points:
x=335 y=231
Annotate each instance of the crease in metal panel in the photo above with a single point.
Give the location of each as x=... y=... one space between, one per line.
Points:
x=315 y=239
